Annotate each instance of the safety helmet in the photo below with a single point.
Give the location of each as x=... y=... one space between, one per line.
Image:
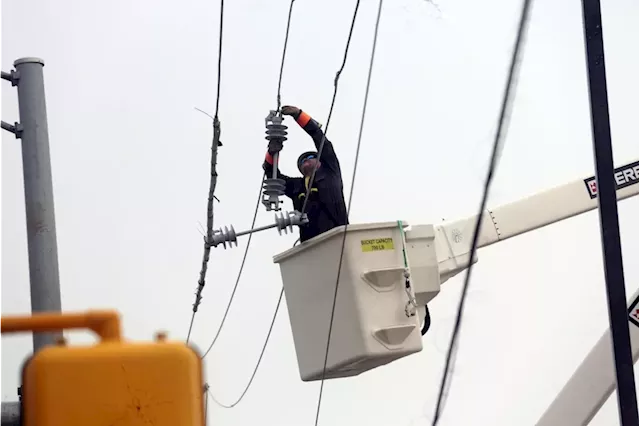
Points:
x=305 y=156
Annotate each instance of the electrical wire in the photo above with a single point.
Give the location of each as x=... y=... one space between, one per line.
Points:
x=212 y=183
x=255 y=369
x=284 y=52
x=244 y=259
x=506 y=106
x=255 y=213
x=333 y=101
x=353 y=180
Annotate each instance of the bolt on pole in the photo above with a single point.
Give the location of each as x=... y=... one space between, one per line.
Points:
x=38 y=194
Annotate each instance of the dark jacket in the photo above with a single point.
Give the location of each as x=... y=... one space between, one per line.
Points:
x=326 y=208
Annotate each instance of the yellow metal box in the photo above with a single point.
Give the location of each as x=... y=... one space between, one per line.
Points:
x=113 y=383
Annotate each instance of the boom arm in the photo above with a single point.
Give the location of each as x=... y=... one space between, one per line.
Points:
x=453 y=240
x=593 y=382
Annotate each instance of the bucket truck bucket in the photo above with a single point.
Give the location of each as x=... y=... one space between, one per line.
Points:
x=370 y=325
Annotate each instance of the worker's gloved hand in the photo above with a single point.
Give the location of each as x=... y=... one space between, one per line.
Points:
x=291 y=110
x=274 y=147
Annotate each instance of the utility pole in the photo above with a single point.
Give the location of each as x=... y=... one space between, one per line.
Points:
x=38 y=194
x=608 y=211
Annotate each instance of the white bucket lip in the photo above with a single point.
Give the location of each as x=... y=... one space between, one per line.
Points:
x=332 y=233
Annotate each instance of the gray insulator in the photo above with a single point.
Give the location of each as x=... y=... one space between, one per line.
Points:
x=273 y=186
x=289 y=220
x=228 y=235
x=276 y=132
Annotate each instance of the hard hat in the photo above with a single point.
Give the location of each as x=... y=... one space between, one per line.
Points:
x=304 y=156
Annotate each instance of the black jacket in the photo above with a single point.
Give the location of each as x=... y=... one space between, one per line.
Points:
x=326 y=208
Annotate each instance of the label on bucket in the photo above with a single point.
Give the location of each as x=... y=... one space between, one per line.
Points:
x=377 y=244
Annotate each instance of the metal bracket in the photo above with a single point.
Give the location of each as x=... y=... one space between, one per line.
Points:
x=16 y=128
x=13 y=76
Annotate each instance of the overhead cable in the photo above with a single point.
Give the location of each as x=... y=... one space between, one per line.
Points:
x=235 y=287
x=264 y=347
x=320 y=150
x=608 y=214
x=212 y=183
x=353 y=180
x=246 y=251
x=333 y=101
x=505 y=110
x=284 y=52
x=255 y=369
x=255 y=213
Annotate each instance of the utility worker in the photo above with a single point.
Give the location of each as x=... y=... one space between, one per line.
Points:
x=326 y=208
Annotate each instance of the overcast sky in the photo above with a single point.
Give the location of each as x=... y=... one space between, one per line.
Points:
x=130 y=159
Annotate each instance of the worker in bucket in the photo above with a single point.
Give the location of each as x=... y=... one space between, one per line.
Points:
x=326 y=208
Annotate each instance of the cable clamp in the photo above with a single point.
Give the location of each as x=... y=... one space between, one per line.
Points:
x=411 y=307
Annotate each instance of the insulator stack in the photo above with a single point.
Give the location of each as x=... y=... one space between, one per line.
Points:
x=224 y=236
x=289 y=220
x=276 y=130
x=273 y=187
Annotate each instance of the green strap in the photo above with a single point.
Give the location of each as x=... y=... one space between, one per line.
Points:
x=404 y=250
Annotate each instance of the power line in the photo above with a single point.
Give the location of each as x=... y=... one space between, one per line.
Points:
x=608 y=212
x=212 y=183
x=255 y=213
x=246 y=251
x=244 y=259
x=495 y=154
x=264 y=347
x=284 y=52
x=255 y=369
x=219 y=56
x=333 y=101
x=353 y=180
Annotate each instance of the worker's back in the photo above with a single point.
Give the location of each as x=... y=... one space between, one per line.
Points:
x=326 y=207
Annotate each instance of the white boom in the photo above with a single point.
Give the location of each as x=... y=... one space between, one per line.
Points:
x=453 y=240
x=593 y=381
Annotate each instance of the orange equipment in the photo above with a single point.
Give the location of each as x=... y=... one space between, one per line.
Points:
x=113 y=382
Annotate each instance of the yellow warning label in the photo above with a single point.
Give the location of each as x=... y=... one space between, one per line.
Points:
x=377 y=244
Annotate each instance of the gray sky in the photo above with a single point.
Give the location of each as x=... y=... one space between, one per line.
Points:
x=131 y=162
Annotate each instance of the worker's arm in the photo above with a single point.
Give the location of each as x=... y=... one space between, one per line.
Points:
x=267 y=166
x=312 y=127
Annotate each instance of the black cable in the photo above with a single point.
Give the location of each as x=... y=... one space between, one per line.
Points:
x=333 y=101
x=608 y=213
x=284 y=51
x=246 y=251
x=255 y=370
x=255 y=213
x=212 y=184
x=244 y=259
x=506 y=105
x=353 y=180
x=427 y=321
x=219 y=56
